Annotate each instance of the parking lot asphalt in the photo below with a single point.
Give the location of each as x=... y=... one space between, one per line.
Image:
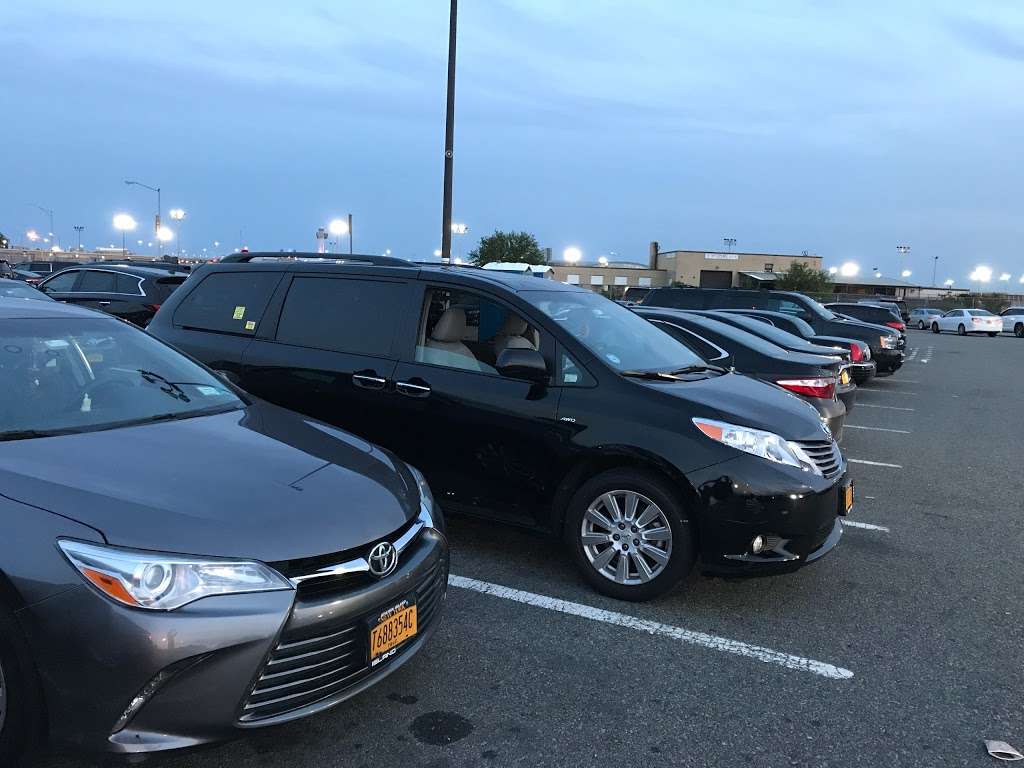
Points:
x=904 y=647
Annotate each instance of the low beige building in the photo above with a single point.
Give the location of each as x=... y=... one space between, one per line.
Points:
x=613 y=279
x=715 y=269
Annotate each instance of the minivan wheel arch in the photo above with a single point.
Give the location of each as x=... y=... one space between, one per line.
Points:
x=588 y=466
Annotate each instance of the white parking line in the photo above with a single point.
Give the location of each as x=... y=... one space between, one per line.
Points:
x=865 y=526
x=712 y=642
x=877 y=429
x=886 y=391
x=875 y=463
x=886 y=407
x=911 y=355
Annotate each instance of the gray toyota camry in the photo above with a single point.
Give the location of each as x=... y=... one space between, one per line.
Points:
x=180 y=562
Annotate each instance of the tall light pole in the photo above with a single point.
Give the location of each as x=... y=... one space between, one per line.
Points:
x=339 y=227
x=48 y=212
x=449 y=140
x=902 y=250
x=78 y=231
x=730 y=243
x=156 y=223
x=935 y=265
x=178 y=214
x=124 y=222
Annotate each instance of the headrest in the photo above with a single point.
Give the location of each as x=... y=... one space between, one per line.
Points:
x=514 y=325
x=451 y=326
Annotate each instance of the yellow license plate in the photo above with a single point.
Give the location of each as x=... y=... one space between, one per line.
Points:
x=848 y=500
x=844 y=377
x=395 y=625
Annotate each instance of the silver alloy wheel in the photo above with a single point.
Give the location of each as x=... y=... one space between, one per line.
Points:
x=3 y=698
x=626 y=537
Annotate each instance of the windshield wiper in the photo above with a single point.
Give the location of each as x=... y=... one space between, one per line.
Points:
x=171 y=388
x=658 y=375
x=698 y=369
x=29 y=434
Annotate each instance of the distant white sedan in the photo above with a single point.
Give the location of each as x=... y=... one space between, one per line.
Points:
x=965 y=321
x=1013 y=321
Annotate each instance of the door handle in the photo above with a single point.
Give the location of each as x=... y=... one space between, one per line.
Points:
x=409 y=389
x=368 y=380
x=103 y=303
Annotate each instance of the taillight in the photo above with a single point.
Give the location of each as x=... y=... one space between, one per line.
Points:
x=897 y=325
x=856 y=355
x=153 y=307
x=823 y=387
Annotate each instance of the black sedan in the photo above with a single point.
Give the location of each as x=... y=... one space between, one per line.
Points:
x=130 y=292
x=862 y=367
x=814 y=378
x=182 y=563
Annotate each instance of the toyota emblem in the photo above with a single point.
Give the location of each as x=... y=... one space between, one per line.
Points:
x=383 y=559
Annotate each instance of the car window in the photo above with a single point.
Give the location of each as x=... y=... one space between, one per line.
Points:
x=463 y=329
x=952 y=313
x=702 y=347
x=95 y=281
x=619 y=337
x=126 y=284
x=979 y=313
x=341 y=315
x=571 y=373
x=1013 y=311
x=89 y=374
x=62 y=283
x=228 y=302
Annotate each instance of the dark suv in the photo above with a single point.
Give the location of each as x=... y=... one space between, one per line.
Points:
x=130 y=292
x=886 y=343
x=531 y=402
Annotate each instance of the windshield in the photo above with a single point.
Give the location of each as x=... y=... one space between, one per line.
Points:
x=621 y=338
x=58 y=376
x=980 y=313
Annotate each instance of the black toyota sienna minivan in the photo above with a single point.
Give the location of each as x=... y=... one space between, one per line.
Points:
x=531 y=402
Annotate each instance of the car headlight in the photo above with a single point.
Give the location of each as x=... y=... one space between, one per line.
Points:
x=888 y=342
x=766 y=445
x=429 y=511
x=163 y=582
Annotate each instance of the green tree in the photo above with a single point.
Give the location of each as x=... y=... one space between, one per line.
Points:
x=802 y=278
x=515 y=247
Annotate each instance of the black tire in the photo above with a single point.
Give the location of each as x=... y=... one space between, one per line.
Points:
x=992 y=334
x=961 y=331
x=658 y=490
x=1018 y=330
x=935 y=327
x=920 y=325
x=19 y=722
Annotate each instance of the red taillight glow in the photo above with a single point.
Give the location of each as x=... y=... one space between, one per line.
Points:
x=823 y=387
x=153 y=307
x=897 y=325
x=856 y=355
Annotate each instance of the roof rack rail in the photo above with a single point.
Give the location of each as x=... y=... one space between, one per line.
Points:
x=380 y=261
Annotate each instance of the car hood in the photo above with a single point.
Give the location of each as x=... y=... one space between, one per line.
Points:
x=864 y=325
x=260 y=483
x=748 y=402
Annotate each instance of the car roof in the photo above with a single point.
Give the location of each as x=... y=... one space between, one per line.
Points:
x=128 y=269
x=14 y=308
x=362 y=264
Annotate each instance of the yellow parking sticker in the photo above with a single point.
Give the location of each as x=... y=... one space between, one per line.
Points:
x=239 y=313
x=250 y=325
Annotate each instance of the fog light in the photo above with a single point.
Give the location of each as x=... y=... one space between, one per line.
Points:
x=757 y=545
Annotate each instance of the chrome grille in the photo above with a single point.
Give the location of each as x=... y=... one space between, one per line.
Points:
x=304 y=670
x=825 y=455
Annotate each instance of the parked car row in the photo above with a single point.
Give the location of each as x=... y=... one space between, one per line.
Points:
x=237 y=517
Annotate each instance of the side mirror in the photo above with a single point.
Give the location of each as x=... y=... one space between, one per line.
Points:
x=526 y=364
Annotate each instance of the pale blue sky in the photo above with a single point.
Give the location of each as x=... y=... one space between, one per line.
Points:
x=839 y=128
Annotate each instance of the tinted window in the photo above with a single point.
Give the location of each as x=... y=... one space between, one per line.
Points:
x=356 y=316
x=228 y=302
x=127 y=284
x=678 y=298
x=979 y=313
x=702 y=347
x=63 y=282
x=94 y=281
x=163 y=287
x=1013 y=311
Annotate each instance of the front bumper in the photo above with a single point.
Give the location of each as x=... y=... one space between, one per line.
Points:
x=887 y=360
x=864 y=372
x=94 y=656
x=741 y=499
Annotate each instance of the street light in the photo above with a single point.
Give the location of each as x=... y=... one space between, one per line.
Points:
x=878 y=274
x=949 y=282
x=339 y=227
x=156 y=222
x=124 y=222
x=178 y=214
x=78 y=231
x=164 y=235
x=32 y=235
x=833 y=270
x=906 y=273
x=572 y=254
x=1004 y=277
x=437 y=253
x=849 y=269
x=602 y=260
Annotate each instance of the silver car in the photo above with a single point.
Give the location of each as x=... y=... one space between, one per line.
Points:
x=1013 y=321
x=923 y=317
